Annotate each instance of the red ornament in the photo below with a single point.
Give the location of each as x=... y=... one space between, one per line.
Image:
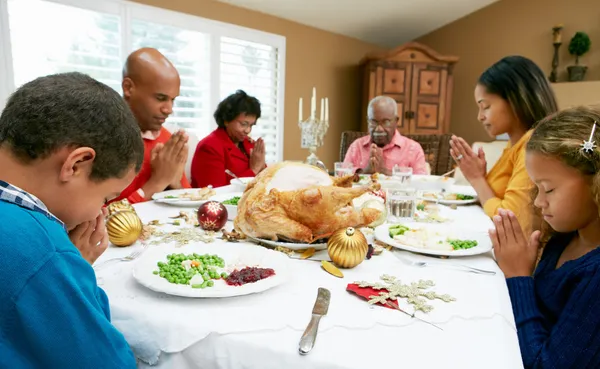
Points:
x=380 y=193
x=212 y=216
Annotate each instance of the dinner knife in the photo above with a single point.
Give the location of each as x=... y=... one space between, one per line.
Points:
x=309 y=337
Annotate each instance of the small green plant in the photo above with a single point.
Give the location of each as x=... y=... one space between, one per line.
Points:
x=579 y=45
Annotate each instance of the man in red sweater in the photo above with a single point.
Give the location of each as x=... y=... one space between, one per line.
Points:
x=150 y=86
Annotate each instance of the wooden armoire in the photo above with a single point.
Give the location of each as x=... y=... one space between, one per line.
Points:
x=419 y=79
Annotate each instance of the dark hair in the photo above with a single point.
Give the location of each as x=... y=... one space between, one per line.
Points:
x=234 y=105
x=75 y=110
x=522 y=83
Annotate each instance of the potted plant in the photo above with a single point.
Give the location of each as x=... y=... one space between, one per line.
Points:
x=579 y=45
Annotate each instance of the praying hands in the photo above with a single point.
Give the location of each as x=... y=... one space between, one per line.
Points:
x=168 y=164
x=471 y=164
x=91 y=238
x=376 y=161
x=515 y=253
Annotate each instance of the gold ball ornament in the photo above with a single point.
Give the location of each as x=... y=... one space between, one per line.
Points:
x=119 y=206
x=124 y=227
x=347 y=247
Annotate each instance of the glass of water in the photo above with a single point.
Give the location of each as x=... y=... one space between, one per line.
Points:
x=402 y=174
x=343 y=169
x=401 y=204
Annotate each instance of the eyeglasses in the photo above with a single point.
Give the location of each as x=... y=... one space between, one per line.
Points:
x=245 y=125
x=386 y=123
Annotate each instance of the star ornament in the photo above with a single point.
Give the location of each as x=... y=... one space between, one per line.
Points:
x=214 y=208
x=588 y=146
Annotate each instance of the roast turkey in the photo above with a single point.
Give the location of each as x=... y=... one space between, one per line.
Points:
x=298 y=202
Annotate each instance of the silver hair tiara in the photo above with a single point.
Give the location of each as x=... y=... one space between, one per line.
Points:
x=589 y=145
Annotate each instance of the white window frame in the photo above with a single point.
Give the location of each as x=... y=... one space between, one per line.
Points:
x=127 y=11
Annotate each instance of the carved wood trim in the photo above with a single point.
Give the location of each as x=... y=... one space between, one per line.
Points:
x=411 y=46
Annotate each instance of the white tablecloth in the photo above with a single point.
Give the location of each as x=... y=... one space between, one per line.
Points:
x=263 y=330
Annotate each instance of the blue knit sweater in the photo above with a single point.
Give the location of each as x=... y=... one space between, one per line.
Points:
x=52 y=312
x=557 y=311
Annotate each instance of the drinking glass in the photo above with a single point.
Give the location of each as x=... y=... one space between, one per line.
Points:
x=401 y=204
x=343 y=169
x=402 y=174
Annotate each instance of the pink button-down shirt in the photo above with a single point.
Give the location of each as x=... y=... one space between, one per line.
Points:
x=401 y=151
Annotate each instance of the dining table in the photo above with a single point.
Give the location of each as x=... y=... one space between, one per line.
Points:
x=262 y=330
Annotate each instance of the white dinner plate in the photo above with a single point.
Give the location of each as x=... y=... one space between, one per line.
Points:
x=234 y=255
x=290 y=245
x=162 y=197
x=463 y=190
x=240 y=184
x=231 y=209
x=484 y=244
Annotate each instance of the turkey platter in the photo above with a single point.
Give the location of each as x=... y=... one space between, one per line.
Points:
x=296 y=202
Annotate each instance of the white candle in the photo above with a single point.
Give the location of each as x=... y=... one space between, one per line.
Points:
x=327 y=109
x=322 y=109
x=300 y=110
x=313 y=103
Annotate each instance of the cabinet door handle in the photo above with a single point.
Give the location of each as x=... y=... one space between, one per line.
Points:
x=409 y=114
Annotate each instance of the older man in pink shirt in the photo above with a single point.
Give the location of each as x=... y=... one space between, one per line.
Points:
x=385 y=147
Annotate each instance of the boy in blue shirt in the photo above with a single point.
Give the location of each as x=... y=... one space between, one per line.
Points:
x=68 y=144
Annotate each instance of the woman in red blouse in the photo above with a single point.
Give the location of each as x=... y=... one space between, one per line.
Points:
x=228 y=146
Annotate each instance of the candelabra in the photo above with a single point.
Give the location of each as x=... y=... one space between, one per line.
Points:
x=313 y=130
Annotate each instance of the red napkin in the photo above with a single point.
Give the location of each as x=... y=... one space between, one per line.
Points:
x=367 y=292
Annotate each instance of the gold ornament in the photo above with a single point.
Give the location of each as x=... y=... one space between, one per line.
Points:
x=124 y=227
x=347 y=247
x=119 y=206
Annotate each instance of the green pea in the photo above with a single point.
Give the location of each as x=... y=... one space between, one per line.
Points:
x=210 y=283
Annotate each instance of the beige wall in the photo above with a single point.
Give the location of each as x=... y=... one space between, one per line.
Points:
x=316 y=58
x=583 y=93
x=511 y=27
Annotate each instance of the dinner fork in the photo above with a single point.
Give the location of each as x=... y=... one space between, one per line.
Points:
x=134 y=255
x=420 y=264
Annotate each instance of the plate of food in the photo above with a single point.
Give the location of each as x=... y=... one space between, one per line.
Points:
x=433 y=239
x=455 y=195
x=431 y=183
x=317 y=245
x=241 y=183
x=185 y=197
x=207 y=270
x=230 y=200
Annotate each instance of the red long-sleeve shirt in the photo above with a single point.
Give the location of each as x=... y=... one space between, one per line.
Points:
x=215 y=153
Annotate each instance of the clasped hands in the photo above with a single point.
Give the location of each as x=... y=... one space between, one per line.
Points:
x=472 y=164
x=515 y=253
x=376 y=161
x=91 y=238
x=168 y=161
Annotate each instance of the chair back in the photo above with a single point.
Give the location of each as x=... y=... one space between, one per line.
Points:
x=435 y=147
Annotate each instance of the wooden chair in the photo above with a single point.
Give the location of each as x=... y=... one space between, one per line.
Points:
x=436 y=148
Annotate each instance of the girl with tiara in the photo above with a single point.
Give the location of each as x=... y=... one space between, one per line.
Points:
x=557 y=306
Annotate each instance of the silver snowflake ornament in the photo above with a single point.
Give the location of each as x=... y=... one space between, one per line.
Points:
x=589 y=145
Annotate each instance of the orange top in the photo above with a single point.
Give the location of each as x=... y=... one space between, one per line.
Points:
x=132 y=192
x=511 y=184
